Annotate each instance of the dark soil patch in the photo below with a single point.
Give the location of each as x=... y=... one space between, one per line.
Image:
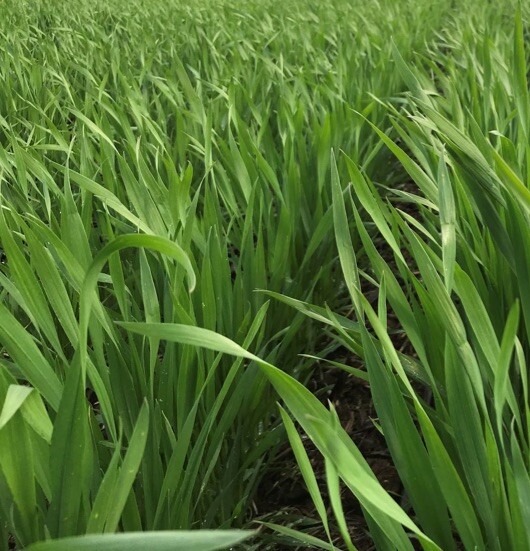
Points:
x=282 y=495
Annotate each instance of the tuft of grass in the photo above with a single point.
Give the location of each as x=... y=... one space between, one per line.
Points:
x=457 y=423
x=160 y=163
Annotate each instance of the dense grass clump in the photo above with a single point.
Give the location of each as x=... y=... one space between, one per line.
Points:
x=185 y=185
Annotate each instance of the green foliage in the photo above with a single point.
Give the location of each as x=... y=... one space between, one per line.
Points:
x=160 y=163
x=458 y=430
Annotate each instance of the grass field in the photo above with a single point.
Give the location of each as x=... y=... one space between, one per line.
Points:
x=209 y=211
